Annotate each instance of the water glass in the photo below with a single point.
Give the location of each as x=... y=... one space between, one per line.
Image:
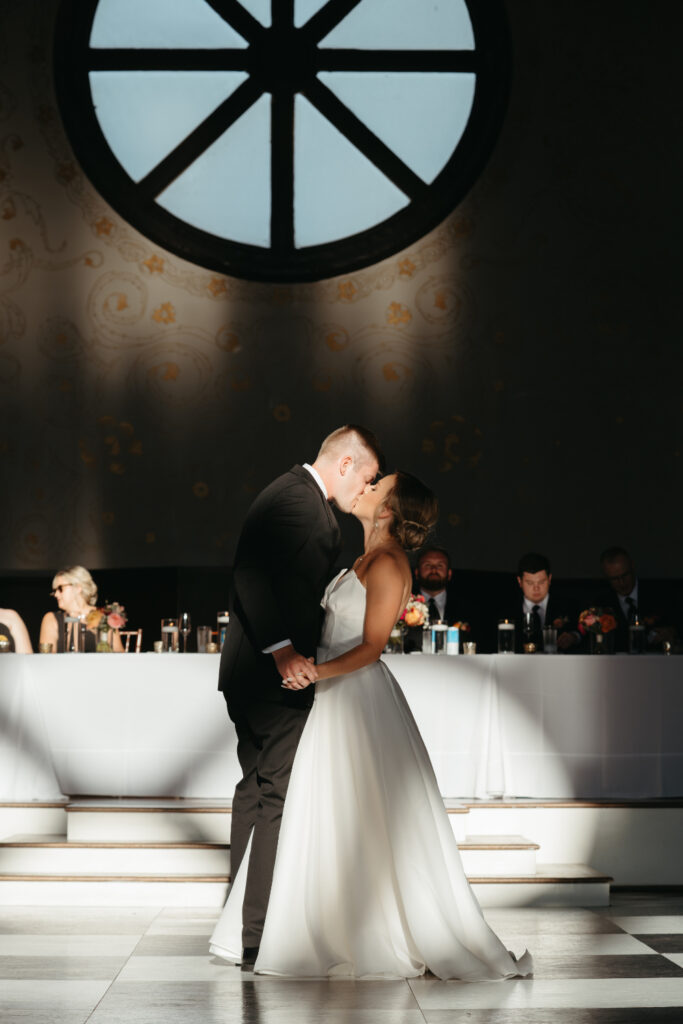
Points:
x=203 y=638
x=549 y=640
x=439 y=638
x=427 y=640
x=506 y=637
x=169 y=635
x=74 y=634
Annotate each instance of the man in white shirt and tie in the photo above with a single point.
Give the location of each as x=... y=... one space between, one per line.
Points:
x=534 y=578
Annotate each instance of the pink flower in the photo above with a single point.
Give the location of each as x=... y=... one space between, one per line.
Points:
x=115 y=620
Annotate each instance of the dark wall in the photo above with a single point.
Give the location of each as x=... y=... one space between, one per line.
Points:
x=524 y=357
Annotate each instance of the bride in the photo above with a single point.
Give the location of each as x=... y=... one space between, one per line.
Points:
x=368 y=881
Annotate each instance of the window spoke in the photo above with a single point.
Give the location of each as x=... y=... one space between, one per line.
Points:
x=238 y=17
x=397 y=60
x=327 y=18
x=199 y=140
x=360 y=136
x=282 y=172
x=120 y=59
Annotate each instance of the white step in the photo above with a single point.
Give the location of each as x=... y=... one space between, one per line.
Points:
x=103 y=891
x=498 y=855
x=168 y=821
x=553 y=885
x=35 y=817
x=54 y=855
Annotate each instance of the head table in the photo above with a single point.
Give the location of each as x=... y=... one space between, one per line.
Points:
x=541 y=726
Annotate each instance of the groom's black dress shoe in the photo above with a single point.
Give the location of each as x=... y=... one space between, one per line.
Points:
x=249 y=954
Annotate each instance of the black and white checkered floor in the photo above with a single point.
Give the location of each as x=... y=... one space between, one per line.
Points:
x=621 y=964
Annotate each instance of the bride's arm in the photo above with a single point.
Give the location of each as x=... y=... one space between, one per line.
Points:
x=387 y=590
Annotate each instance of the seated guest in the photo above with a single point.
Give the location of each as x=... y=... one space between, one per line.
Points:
x=14 y=632
x=76 y=594
x=432 y=577
x=633 y=600
x=534 y=578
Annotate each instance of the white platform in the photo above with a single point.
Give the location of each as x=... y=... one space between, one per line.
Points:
x=540 y=726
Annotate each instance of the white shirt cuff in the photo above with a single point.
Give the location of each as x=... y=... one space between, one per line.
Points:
x=276 y=647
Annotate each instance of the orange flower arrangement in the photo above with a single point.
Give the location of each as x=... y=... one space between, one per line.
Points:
x=597 y=620
x=415 y=612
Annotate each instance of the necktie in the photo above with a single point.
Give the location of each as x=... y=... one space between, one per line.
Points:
x=433 y=610
x=632 y=610
x=536 y=618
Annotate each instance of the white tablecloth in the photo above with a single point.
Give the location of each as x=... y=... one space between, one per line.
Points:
x=537 y=726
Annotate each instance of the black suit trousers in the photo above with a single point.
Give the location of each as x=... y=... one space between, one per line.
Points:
x=267 y=737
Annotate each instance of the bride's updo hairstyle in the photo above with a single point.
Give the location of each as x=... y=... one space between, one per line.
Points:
x=415 y=509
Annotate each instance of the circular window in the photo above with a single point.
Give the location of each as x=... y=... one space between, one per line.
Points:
x=282 y=140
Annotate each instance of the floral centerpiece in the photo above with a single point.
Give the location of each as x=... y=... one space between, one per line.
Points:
x=415 y=612
x=464 y=627
x=112 y=615
x=598 y=624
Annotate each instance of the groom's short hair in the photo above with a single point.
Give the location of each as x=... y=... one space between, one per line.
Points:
x=360 y=442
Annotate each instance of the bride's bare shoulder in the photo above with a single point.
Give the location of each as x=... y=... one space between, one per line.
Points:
x=387 y=565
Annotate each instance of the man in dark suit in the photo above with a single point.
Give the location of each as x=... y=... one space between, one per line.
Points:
x=633 y=600
x=284 y=559
x=434 y=581
x=537 y=600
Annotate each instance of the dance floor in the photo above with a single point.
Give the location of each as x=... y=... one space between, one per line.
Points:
x=621 y=964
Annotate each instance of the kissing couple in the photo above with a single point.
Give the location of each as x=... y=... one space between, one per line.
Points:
x=357 y=873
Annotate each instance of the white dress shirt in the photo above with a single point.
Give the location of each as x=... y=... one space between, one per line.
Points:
x=440 y=600
x=542 y=607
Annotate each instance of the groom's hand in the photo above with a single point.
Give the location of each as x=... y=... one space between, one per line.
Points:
x=297 y=672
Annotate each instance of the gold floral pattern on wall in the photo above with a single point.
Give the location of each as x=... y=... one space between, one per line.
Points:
x=144 y=400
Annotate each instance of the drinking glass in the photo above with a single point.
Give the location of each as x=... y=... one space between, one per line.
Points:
x=185 y=626
x=203 y=638
x=74 y=634
x=439 y=637
x=169 y=634
x=506 y=637
x=549 y=640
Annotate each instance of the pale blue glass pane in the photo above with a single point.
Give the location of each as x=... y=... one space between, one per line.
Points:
x=161 y=24
x=420 y=117
x=405 y=25
x=226 y=191
x=337 y=191
x=145 y=114
x=259 y=9
x=305 y=9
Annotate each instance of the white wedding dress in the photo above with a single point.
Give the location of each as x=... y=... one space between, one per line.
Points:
x=368 y=881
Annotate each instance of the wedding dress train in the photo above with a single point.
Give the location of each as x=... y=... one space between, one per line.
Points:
x=368 y=881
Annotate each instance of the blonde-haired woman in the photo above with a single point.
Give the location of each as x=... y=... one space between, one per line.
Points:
x=76 y=594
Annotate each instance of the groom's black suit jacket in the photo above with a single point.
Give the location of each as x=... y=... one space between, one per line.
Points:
x=287 y=550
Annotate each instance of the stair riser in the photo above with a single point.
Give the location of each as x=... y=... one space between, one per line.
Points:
x=533 y=894
x=499 y=862
x=49 y=821
x=113 y=894
x=213 y=894
x=158 y=827
x=89 y=860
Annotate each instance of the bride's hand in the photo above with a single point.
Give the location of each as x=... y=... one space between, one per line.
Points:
x=297 y=673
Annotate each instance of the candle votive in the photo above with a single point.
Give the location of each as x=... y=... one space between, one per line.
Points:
x=506 y=637
x=469 y=647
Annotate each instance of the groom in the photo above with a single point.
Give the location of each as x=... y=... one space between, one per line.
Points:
x=284 y=559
